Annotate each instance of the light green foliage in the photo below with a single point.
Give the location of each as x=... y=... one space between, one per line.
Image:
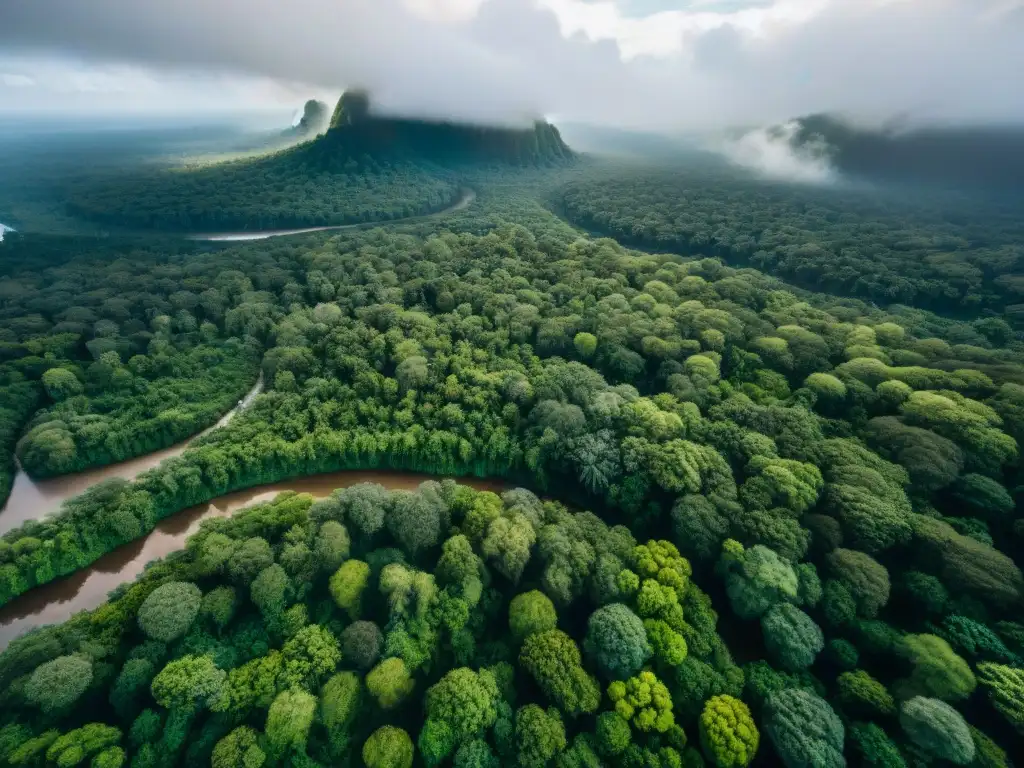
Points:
x=390 y=682
x=865 y=578
x=585 y=344
x=57 y=684
x=270 y=592
x=508 y=544
x=309 y=655
x=875 y=747
x=787 y=483
x=340 y=702
x=347 y=585
x=826 y=386
x=669 y=647
x=757 y=580
x=464 y=701
x=1005 y=688
x=288 y=722
x=938 y=729
x=388 y=747
x=554 y=661
x=169 y=610
x=861 y=694
x=239 y=749
x=529 y=613
x=60 y=384
x=791 y=637
x=475 y=753
x=112 y=757
x=937 y=672
x=189 y=683
x=804 y=729
x=661 y=561
x=728 y=734
x=76 y=746
x=643 y=701
x=540 y=736
x=617 y=641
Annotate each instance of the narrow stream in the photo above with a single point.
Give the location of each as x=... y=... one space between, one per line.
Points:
x=465 y=200
x=34 y=499
x=88 y=588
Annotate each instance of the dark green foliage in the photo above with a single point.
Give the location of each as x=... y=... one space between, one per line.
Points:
x=616 y=641
x=865 y=578
x=938 y=729
x=804 y=729
x=791 y=637
x=540 y=736
x=860 y=694
x=361 y=644
x=814 y=447
x=875 y=747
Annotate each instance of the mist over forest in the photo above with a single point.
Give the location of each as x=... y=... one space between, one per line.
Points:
x=478 y=383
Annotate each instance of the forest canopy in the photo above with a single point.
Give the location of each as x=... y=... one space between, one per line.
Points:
x=747 y=523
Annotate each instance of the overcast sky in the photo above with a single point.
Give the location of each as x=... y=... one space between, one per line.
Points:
x=662 y=64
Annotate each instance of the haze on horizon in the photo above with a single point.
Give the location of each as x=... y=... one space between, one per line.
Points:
x=668 y=65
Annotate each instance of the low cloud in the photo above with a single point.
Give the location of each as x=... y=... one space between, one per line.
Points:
x=507 y=60
x=774 y=153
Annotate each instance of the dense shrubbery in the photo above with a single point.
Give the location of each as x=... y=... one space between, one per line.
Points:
x=848 y=475
x=167 y=683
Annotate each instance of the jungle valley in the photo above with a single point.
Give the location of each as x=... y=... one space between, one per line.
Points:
x=533 y=458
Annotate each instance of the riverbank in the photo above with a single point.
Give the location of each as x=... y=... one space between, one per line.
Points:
x=466 y=198
x=86 y=589
x=35 y=499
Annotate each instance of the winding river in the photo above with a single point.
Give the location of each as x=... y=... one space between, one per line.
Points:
x=88 y=588
x=466 y=199
x=35 y=499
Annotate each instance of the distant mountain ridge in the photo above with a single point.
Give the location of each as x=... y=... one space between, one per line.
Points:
x=991 y=157
x=354 y=130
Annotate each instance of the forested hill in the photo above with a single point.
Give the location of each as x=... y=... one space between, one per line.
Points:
x=986 y=157
x=355 y=130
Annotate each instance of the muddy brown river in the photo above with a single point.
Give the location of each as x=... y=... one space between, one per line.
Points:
x=88 y=588
x=35 y=499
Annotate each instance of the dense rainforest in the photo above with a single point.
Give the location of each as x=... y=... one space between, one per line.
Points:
x=365 y=168
x=748 y=523
x=943 y=252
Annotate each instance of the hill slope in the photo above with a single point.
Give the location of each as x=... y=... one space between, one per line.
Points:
x=365 y=168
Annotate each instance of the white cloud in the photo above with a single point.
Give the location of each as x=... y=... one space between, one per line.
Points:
x=16 y=81
x=706 y=64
